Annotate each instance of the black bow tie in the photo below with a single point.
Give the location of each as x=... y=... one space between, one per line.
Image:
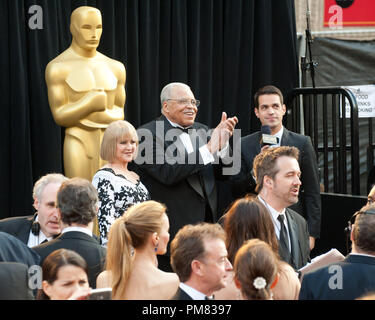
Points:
x=186 y=130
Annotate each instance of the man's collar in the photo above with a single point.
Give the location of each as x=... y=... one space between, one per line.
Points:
x=279 y=134
x=272 y=210
x=75 y=228
x=176 y=125
x=193 y=293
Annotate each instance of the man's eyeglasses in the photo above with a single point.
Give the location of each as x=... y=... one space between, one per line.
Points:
x=186 y=102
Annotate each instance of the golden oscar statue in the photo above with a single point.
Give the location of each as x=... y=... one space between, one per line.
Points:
x=86 y=92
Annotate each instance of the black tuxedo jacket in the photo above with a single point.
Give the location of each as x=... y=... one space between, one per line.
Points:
x=88 y=247
x=345 y=280
x=309 y=204
x=14 y=250
x=14 y=279
x=18 y=226
x=181 y=295
x=299 y=239
x=187 y=187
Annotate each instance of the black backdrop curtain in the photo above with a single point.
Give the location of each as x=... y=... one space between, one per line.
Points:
x=224 y=49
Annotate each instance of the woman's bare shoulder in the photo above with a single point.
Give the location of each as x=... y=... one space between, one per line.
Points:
x=103 y=280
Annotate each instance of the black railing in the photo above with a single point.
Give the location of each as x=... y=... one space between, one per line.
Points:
x=321 y=114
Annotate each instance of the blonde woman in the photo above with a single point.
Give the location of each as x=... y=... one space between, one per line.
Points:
x=118 y=187
x=134 y=241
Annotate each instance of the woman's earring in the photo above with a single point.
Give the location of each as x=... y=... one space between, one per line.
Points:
x=156 y=247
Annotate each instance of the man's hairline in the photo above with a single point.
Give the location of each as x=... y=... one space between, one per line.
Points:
x=269 y=94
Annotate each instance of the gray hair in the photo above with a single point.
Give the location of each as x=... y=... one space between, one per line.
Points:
x=166 y=92
x=46 y=180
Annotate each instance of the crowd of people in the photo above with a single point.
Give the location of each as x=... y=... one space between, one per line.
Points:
x=159 y=184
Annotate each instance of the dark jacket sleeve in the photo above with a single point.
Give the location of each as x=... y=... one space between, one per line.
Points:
x=311 y=188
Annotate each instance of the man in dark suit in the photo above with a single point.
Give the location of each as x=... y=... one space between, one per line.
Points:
x=45 y=223
x=270 y=109
x=278 y=174
x=354 y=276
x=177 y=160
x=14 y=250
x=77 y=203
x=199 y=258
x=14 y=279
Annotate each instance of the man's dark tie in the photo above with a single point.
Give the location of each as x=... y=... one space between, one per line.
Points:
x=284 y=243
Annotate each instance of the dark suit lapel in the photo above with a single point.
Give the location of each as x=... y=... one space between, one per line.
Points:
x=252 y=150
x=293 y=234
x=207 y=172
x=24 y=232
x=285 y=139
x=194 y=179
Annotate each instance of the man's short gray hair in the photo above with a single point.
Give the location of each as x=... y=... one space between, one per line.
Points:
x=46 y=180
x=166 y=91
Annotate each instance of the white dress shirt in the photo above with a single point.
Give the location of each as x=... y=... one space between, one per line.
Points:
x=274 y=214
x=278 y=135
x=79 y=229
x=193 y=293
x=35 y=240
x=206 y=155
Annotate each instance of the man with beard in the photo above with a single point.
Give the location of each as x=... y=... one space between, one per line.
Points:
x=277 y=174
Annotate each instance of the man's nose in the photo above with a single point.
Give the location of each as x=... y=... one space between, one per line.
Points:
x=298 y=180
x=191 y=107
x=228 y=265
x=56 y=213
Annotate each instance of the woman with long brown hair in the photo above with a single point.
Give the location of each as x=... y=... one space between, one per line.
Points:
x=247 y=219
x=135 y=239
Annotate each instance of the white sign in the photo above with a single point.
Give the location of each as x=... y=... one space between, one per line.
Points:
x=365 y=96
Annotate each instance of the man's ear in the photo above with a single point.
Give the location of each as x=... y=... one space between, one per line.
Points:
x=256 y=111
x=352 y=233
x=283 y=108
x=165 y=107
x=197 y=267
x=268 y=181
x=36 y=203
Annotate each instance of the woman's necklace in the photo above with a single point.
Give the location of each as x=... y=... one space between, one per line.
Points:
x=128 y=175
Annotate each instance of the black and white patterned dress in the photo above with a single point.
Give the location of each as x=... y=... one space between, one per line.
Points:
x=116 y=195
